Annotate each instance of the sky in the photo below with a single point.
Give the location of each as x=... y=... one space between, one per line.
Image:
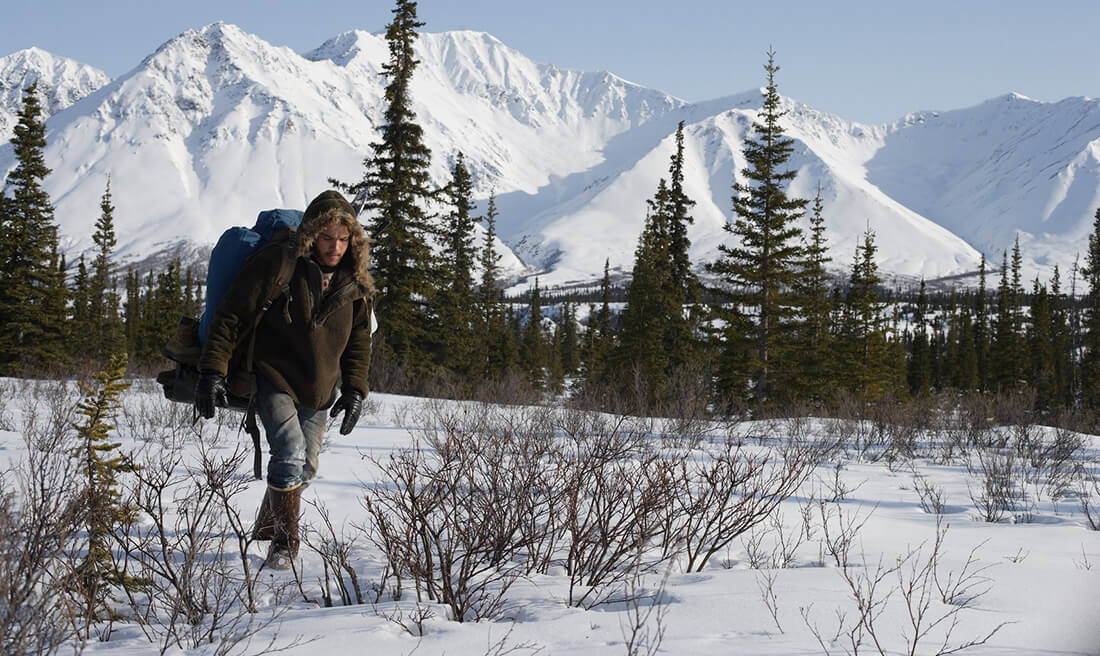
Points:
x=865 y=60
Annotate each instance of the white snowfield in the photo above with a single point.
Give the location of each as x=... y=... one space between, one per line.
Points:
x=218 y=124
x=862 y=521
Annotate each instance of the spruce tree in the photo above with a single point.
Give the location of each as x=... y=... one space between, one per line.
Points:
x=570 y=344
x=492 y=358
x=981 y=331
x=80 y=322
x=106 y=328
x=653 y=307
x=397 y=187
x=868 y=368
x=599 y=343
x=533 y=349
x=1040 y=346
x=101 y=465
x=761 y=270
x=681 y=334
x=1061 y=338
x=33 y=296
x=1007 y=349
x=919 y=371
x=1090 y=330
x=133 y=313
x=456 y=314
x=812 y=361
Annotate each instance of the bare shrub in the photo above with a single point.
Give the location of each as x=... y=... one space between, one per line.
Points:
x=932 y=497
x=774 y=546
x=184 y=546
x=41 y=513
x=994 y=492
x=765 y=582
x=914 y=579
x=644 y=627
x=335 y=550
x=612 y=509
x=449 y=517
x=1088 y=494
x=839 y=530
x=732 y=491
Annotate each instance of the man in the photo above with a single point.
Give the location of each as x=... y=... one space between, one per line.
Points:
x=311 y=339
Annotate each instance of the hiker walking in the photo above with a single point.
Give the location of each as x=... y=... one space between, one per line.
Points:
x=309 y=353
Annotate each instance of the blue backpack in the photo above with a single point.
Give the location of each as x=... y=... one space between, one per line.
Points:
x=275 y=228
x=234 y=247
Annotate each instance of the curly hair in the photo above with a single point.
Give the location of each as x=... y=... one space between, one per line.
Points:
x=358 y=253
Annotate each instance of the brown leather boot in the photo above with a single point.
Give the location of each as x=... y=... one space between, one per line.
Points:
x=264 y=528
x=285 y=506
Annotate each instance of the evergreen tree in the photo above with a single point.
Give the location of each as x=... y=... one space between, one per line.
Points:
x=456 y=314
x=981 y=331
x=1090 y=330
x=397 y=187
x=570 y=343
x=920 y=365
x=133 y=313
x=1061 y=338
x=865 y=347
x=80 y=321
x=652 y=307
x=101 y=464
x=493 y=349
x=599 y=343
x=966 y=365
x=106 y=328
x=33 y=296
x=812 y=358
x=1007 y=348
x=760 y=271
x=1041 y=350
x=681 y=334
x=532 y=353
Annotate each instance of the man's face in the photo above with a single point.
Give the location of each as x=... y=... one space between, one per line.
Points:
x=331 y=244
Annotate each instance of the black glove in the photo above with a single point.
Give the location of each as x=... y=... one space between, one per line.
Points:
x=210 y=392
x=351 y=403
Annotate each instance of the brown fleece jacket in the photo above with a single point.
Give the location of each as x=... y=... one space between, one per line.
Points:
x=307 y=342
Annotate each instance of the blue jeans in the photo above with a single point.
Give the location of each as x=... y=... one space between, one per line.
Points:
x=293 y=433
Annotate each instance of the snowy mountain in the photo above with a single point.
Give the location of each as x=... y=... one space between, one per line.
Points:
x=61 y=82
x=218 y=124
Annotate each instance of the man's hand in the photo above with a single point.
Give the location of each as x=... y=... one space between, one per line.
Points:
x=351 y=403
x=210 y=392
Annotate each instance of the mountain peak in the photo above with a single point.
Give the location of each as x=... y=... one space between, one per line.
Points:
x=63 y=81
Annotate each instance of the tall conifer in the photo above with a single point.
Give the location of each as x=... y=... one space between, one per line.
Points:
x=106 y=326
x=32 y=289
x=1090 y=331
x=398 y=190
x=454 y=309
x=760 y=271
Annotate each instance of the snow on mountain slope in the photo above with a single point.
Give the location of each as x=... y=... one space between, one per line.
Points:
x=62 y=82
x=603 y=218
x=218 y=124
x=1009 y=164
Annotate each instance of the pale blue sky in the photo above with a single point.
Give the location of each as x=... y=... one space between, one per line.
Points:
x=864 y=60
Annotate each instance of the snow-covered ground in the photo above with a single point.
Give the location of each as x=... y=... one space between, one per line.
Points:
x=1037 y=572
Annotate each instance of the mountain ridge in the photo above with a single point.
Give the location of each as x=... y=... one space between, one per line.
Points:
x=217 y=124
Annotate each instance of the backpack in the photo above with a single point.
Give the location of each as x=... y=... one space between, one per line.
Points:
x=273 y=229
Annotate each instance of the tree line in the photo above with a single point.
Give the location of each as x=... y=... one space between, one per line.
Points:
x=767 y=322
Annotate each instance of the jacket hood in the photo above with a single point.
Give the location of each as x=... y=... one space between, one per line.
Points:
x=331 y=207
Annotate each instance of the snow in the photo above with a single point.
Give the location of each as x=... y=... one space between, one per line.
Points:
x=1043 y=575
x=218 y=124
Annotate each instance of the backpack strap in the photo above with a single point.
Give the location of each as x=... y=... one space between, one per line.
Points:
x=289 y=248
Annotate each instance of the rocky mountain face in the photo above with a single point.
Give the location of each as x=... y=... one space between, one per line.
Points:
x=218 y=124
